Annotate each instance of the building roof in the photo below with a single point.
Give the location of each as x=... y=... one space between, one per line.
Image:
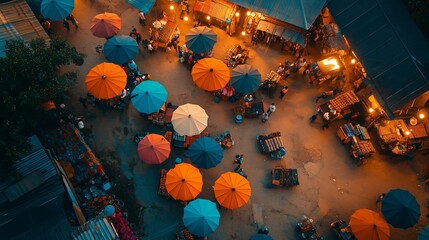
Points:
x=391 y=48
x=300 y=13
x=96 y=228
x=17 y=21
x=34 y=212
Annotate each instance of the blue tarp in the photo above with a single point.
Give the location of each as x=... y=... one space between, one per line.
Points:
x=391 y=48
x=300 y=13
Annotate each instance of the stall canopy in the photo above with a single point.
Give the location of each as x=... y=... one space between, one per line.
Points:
x=300 y=13
x=391 y=48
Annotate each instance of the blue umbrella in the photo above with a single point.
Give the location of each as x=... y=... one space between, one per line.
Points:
x=109 y=210
x=56 y=9
x=149 y=96
x=120 y=49
x=205 y=152
x=245 y=78
x=200 y=39
x=400 y=209
x=142 y=5
x=261 y=236
x=201 y=217
x=424 y=234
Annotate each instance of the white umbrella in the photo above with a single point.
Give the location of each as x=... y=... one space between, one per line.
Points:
x=189 y=119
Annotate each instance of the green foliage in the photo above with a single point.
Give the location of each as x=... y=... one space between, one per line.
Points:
x=29 y=75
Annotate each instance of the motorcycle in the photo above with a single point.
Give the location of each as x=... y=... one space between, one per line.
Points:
x=306 y=229
x=342 y=230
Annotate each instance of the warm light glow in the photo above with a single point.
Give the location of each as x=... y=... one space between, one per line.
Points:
x=208 y=17
x=407 y=133
x=248 y=13
x=171 y=7
x=332 y=62
x=186 y=18
x=243 y=33
x=353 y=61
x=237 y=14
x=421 y=116
x=371 y=110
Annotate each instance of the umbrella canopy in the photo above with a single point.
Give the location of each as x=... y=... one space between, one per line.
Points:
x=205 y=152
x=261 y=236
x=400 y=208
x=201 y=217
x=184 y=182
x=154 y=149
x=232 y=190
x=105 y=25
x=142 y=5
x=424 y=234
x=56 y=9
x=200 y=39
x=109 y=210
x=120 y=49
x=106 y=80
x=245 y=78
x=210 y=74
x=149 y=96
x=189 y=119
x=369 y=225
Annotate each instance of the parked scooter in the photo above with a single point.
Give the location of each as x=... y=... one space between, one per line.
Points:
x=342 y=230
x=306 y=229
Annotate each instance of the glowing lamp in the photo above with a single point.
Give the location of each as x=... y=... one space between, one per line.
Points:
x=243 y=33
x=371 y=110
x=353 y=61
x=421 y=115
x=332 y=62
x=208 y=17
x=186 y=18
x=248 y=13
x=171 y=7
x=237 y=14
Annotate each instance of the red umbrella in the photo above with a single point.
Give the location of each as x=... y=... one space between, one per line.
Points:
x=105 y=25
x=154 y=149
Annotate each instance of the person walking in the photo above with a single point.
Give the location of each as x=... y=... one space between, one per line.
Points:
x=142 y=18
x=271 y=109
x=283 y=92
x=264 y=117
x=254 y=39
x=66 y=25
x=73 y=20
x=380 y=198
x=238 y=159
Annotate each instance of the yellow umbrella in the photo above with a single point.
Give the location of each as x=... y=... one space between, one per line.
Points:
x=106 y=80
x=210 y=74
x=184 y=182
x=232 y=190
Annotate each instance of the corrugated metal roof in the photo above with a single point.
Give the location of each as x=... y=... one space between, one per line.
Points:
x=300 y=13
x=17 y=21
x=96 y=228
x=391 y=48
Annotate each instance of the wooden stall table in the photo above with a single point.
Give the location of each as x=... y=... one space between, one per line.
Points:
x=166 y=34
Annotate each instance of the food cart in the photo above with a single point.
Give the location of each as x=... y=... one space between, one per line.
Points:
x=166 y=34
x=271 y=82
x=249 y=109
x=236 y=55
x=330 y=109
x=326 y=69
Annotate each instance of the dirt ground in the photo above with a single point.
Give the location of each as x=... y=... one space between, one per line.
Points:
x=331 y=185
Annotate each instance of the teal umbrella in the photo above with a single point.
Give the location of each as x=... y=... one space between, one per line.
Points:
x=245 y=79
x=205 y=152
x=400 y=208
x=201 y=217
x=149 y=96
x=56 y=9
x=142 y=5
x=261 y=236
x=200 y=39
x=424 y=234
x=120 y=49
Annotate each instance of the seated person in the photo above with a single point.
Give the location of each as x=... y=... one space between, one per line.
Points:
x=248 y=98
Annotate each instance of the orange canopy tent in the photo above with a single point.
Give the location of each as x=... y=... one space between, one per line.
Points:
x=210 y=74
x=105 y=25
x=106 y=80
x=232 y=190
x=184 y=182
x=369 y=225
x=154 y=149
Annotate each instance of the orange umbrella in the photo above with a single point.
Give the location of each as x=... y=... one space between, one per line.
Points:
x=210 y=74
x=184 y=182
x=105 y=25
x=369 y=225
x=106 y=80
x=232 y=190
x=154 y=149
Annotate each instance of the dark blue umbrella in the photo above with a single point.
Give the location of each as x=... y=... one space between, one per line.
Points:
x=142 y=5
x=424 y=234
x=205 y=152
x=201 y=217
x=200 y=39
x=261 y=236
x=400 y=209
x=149 y=96
x=245 y=78
x=56 y=9
x=120 y=49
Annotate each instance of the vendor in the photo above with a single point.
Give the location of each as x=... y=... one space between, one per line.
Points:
x=399 y=149
x=248 y=98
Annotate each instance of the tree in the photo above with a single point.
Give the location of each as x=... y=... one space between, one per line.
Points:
x=30 y=75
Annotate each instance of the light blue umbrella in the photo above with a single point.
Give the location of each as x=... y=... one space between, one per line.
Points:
x=205 y=152
x=201 y=217
x=424 y=234
x=245 y=79
x=109 y=210
x=149 y=96
x=120 y=49
x=400 y=208
x=200 y=39
x=142 y=5
x=56 y=9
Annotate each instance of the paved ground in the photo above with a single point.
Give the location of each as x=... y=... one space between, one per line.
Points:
x=332 y=186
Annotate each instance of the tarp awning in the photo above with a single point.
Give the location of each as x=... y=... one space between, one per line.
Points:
x=391 y=48
x=300 y=13
x=280 y=31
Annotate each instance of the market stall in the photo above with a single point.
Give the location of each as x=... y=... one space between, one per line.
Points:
x=333 y=107
x=249 y=109
x=236 y=55
x=326 y=69
x=358 y=138
x=271 y=82
x=182 y=141
x=219 y=13
x=166 y=34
